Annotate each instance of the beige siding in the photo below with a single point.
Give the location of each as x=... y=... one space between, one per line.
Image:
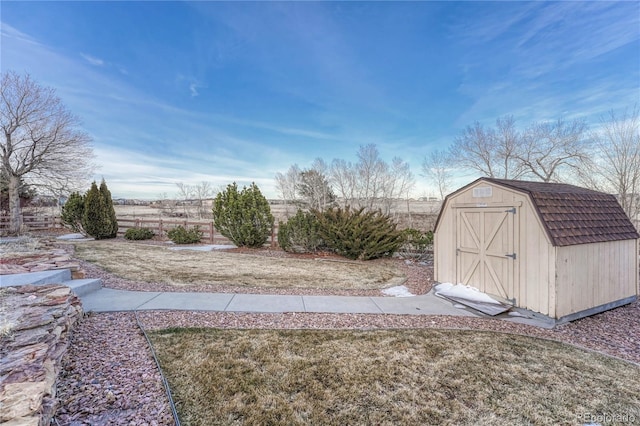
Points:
x=554 y=281
x=537 y=264
x=590 y=275
x=444 y=256
x=445 y=235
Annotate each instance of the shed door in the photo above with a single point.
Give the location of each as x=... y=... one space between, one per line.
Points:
x=485 y=249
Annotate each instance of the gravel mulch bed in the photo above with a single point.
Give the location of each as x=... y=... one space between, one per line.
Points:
x=109 y=376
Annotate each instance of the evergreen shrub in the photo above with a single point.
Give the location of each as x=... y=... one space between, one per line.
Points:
x=357 y=234
x=99 y=218
x=300 y=233
x=73 y=211
x=244 y=217
x=416 y=244
x=182 y=235
x=417 y=240
x=139 y=234
x=111 y=222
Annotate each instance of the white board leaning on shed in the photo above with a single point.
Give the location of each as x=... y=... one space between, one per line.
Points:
x=559 y=250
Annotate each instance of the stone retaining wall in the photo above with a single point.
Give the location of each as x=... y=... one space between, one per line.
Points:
x=39 y=319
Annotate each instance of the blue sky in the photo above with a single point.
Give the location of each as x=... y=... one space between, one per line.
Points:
x=238 y=91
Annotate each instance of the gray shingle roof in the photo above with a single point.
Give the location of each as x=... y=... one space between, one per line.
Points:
x=574 y=215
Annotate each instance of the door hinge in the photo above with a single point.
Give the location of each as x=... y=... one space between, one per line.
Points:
x=511 y=210
x=457 y=251
x=513 y=256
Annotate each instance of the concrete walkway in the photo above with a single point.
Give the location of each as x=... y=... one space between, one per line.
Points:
x=96 y=298
x=108 y=300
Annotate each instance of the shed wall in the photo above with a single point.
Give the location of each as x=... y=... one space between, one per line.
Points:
x=534 y=267
x=591 y=275
x=553 y=280
x=536 y=279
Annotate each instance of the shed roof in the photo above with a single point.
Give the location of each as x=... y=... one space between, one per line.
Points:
x=574 y=215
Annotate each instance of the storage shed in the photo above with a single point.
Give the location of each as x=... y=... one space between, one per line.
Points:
x=556 y=249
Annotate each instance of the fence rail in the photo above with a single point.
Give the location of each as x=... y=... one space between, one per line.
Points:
x=158 y=226
x=161 y=226
x=33 y=223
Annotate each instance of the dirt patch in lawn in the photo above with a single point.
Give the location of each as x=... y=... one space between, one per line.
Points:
x=389 y=377
x=156 y=264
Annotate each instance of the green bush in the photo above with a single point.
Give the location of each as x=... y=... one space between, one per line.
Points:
x=139 y=234
x=98 y=217
x=111 y=222
x=357 y=234
x=416 y=244
x=415 y=239
x=243 y=217
x=182 y=235
x=300 y=234
x=73 y=211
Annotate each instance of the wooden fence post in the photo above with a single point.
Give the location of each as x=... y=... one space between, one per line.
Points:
x=211 y=233
x=273 y=236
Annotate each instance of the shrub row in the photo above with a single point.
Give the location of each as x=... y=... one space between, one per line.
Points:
x=179 y=234
x=355 y=234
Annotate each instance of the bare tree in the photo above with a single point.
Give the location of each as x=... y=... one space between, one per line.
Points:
x=166 y=205
x=371 y=171
x=343 y=179
x=186 y=193
x=549 y=148
x=287 y=185
x=615 y=164
x=42 y=145
x=370 y=183
x=475 y=149
x=202 y=192
x=314 y=188
x=492 y=152
x=508 y=142
x=437 y=168
x=398 y=184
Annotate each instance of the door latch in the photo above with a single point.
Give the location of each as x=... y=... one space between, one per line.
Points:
x=513 y=256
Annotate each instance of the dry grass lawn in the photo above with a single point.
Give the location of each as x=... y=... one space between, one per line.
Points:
x=140 y=262
x=391 y=377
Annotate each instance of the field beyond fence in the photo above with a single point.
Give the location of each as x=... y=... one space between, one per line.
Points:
x=160 y=227
x=420 y=215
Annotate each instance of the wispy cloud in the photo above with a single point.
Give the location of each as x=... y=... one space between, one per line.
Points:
x=193 y=88
x=530 y=60
x=132 y=174
x=7 y=30
x=92 y=60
